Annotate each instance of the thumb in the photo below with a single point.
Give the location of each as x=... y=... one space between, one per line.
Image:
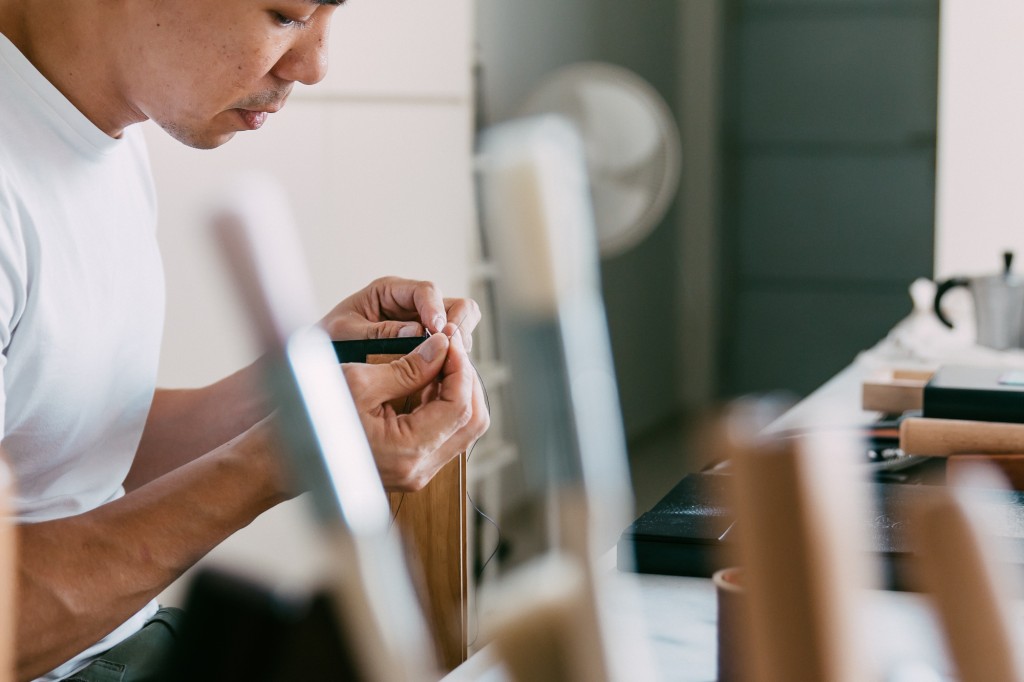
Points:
x=387 y=329
x=373 y=385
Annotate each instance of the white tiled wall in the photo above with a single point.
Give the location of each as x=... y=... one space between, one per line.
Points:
x=979 y=203
x=377 y=162
x=405 y=48
x=377 y=188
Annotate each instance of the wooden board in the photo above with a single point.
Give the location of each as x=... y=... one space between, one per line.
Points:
x=894 y=391
x=433 y=526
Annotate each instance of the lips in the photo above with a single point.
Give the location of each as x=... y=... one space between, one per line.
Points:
x=253 y=119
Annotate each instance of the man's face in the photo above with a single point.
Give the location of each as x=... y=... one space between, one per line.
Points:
x=206 y=69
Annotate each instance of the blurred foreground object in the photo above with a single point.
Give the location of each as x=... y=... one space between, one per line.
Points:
x=630 y=144
x=800 y=509
x=538 y=218
x=945 y=437
x=972 y=589
x=372 y=592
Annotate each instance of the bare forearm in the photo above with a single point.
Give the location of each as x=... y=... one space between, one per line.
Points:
x=81 y=577
x=186 y=423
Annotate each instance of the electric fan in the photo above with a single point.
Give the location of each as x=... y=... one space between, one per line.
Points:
x=630 y=142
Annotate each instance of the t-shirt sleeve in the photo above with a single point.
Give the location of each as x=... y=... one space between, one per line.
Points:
x=13 y=278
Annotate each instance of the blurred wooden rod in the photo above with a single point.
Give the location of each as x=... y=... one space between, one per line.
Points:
x=945 y=437
x=1010 y=466
x=798 y=524
x=971 y=590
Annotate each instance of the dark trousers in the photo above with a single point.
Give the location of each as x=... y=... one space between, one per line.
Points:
x=141 y=657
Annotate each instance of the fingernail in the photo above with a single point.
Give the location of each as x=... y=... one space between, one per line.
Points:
x=439 y=322
x=429 y=349
x=409 y=330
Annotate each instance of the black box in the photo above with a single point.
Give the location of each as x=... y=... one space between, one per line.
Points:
x=991 y=394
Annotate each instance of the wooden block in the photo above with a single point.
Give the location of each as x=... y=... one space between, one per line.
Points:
x=800 y=538
x=944 y=437
x=894 y=391
x=545 y=626
x=433 y=526
x=1010 y=466
x=971 y=590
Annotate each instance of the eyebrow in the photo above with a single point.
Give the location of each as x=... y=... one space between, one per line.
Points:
x=328 y=2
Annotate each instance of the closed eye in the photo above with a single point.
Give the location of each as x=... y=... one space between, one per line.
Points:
x=283 y=20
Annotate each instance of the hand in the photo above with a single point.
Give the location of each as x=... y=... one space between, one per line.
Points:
x=410 y=448
x=391 y=306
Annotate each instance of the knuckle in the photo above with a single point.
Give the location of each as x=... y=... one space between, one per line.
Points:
x=482 y=422
x=464 y=415
x=406 y=372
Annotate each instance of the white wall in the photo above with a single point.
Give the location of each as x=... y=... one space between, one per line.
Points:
x=979 y=203
x=377 y=160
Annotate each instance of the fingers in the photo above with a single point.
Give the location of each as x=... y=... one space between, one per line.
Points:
x=463 y=317
x=358 y=327
x=374 y=385
x=394 y=307
x=479 y=422
x=422 y=442
x=480 y=418
x=458 y=416
x=398 y=298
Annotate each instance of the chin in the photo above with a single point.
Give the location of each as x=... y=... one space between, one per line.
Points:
x=195 y=138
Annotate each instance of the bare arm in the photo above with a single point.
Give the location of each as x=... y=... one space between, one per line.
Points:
x=82 y=576
x=186 y=423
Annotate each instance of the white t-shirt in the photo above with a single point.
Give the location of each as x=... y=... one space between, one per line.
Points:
x=81 y=303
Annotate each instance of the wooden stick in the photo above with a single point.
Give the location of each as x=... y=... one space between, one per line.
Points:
x=546 y=628
x=894 y=392
x=433 y=526
x=944 y=437
x=1010 y=466
x=800 y=526
x=969 y=588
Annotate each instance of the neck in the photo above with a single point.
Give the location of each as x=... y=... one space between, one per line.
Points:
x=68 y=42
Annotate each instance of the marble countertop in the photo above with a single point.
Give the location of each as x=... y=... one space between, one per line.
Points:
x=681 y=620
x=679 y=616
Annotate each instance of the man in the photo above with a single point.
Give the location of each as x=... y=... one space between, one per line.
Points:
x=81 y=313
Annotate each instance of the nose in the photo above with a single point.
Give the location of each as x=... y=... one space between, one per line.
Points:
x=306 y=60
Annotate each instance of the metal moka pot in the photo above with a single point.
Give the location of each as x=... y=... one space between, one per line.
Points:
x=998 y=306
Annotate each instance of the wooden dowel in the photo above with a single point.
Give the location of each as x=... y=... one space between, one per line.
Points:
x=546 y=626
x=433 y=526
x=944 y=437
x=971 y=590
x=799 y=525
x=1010 y=466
